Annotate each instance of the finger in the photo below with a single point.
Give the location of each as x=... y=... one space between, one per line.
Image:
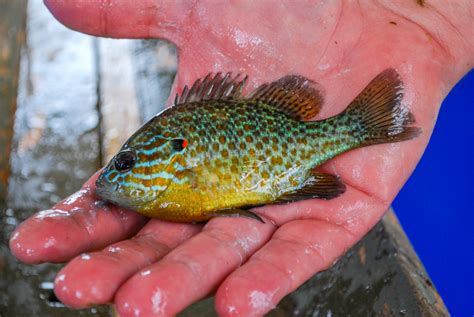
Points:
x=127 y=19
x=297 y=251
x=193 y=270
x=77 y=224
x=355 y=210
x=93 y=278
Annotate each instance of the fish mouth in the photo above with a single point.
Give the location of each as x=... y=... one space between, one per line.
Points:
x=106 y=190
x=103 y=193
x=103 y=188
x=112 y=196
x=110 y=192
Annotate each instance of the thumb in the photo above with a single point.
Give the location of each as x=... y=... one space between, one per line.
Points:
x=122 y=19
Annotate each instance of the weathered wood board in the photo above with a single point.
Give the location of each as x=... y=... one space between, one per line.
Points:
x=12 y=37
x=55 y=146
x=118 y=100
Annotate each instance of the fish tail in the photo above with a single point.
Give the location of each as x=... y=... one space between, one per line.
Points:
x=377 y=113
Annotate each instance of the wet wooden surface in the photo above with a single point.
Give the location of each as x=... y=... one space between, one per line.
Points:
x=12 y=37
x=70 y=118
x=54 y=150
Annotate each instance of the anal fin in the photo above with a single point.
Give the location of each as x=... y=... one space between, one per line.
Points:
x=237 y=213
x=318 y=185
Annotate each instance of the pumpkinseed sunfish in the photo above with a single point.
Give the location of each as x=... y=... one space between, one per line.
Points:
x=219 y=153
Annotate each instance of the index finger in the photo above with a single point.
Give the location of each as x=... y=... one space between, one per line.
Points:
x=77 y=224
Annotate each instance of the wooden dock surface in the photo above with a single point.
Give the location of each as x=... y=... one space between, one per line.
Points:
x=12 y=38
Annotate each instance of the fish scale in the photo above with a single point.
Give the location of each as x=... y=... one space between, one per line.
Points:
x=217 y=153
x=233 y=148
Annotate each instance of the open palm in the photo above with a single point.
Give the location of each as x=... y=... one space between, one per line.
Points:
x=158 y=268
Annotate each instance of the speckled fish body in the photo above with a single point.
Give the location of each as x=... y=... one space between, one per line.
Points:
x=238 y=153
x=217 y=153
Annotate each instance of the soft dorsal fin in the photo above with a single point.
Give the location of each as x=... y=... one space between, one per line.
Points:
x=213 y=87
x=297 y=96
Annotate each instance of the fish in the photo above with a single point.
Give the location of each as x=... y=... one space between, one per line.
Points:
x=216 y=152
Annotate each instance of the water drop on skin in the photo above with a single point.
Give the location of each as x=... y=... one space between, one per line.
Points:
x=61 y=278
x=85 y=257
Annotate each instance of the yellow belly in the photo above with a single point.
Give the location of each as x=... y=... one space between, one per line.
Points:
x=182 y=203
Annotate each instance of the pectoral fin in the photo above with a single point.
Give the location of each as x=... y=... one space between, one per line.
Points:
x=237 y=213
x=318 y=185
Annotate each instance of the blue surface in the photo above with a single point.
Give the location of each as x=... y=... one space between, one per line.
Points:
x=436 y=206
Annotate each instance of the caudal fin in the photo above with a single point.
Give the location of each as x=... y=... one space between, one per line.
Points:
x=379 y=112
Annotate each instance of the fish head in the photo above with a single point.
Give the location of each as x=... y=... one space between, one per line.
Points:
x=142 y=170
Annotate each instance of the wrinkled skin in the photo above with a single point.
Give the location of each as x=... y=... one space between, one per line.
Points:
x=159 y=268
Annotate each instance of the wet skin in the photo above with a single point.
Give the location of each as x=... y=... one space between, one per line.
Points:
x=159 y=268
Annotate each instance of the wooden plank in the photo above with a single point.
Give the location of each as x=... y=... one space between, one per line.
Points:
x=56 y=139
x=55 y=149
x=12 y=37
x=155 y=63
x=135 y=80
x=118 y=101
x=422 y=288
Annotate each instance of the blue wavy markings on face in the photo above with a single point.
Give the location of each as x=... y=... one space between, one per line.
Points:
x=163 y=174
x=152 y=163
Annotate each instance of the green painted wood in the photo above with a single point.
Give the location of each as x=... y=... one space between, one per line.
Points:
x=12 y=37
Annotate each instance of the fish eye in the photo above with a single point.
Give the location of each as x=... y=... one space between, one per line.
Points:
x=179 y=144
x=124 y=161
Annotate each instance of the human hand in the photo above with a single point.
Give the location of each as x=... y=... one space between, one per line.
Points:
x=251 y=266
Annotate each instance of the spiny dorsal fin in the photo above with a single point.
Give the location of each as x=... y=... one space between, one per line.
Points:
x=297 y=96
x=213 y=87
